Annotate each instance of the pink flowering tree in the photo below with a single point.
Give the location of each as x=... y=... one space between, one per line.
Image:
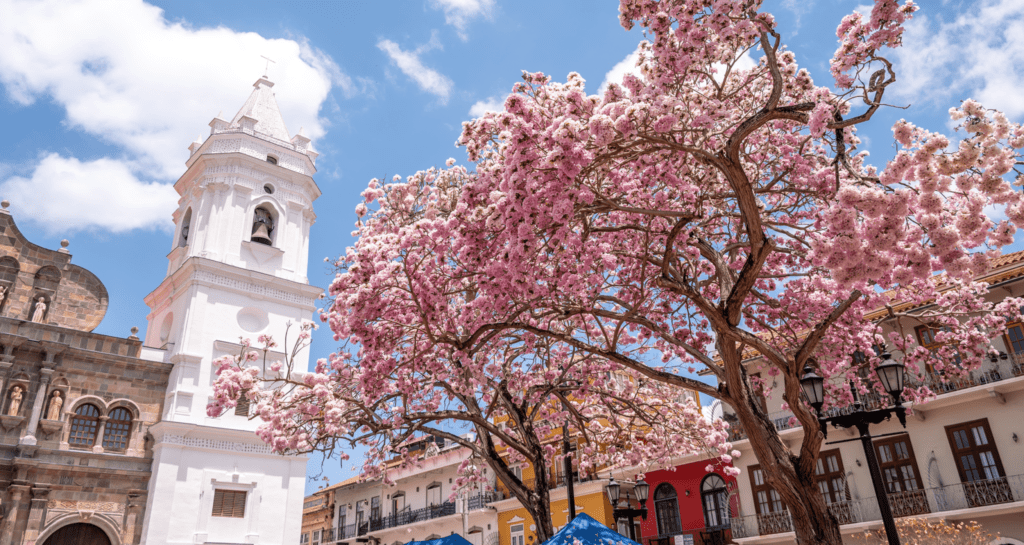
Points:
x=693 y=216
x=516 y=399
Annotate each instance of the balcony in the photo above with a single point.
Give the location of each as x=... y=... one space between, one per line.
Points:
x=479 y=501
x=954 y=497
x=342 y=533
x=988 y=373
x=720 y=535
x=409 y=516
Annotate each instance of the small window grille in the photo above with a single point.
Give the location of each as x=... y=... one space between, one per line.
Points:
x=229 y=503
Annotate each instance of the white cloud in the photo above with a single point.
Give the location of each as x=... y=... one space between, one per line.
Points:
x=65 y=194
x=409 y=63
x=628 y=65
x=459 y=12
x=619 y=71
x=492 y=104
x=979 y=54
x=126 y=75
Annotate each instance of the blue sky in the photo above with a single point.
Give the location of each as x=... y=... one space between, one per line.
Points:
x=100 y=100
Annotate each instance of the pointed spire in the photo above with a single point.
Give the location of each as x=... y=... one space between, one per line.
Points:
x=262 y=106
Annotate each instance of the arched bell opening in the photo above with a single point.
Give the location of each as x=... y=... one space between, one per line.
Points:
x=263 y=225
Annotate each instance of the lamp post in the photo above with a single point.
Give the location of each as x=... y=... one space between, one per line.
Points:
x=641 y=488
x=891 y=374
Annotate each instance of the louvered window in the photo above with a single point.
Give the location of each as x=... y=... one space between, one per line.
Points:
x=83 y=427
x=242 y=409
x=115 y=435
x=229 y=503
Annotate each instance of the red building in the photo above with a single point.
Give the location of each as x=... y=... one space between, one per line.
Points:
x=688 y=506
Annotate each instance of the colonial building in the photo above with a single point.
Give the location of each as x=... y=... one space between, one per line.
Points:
x=106 y=440
x=960 y=457
x=77 y=406
x=418 y=506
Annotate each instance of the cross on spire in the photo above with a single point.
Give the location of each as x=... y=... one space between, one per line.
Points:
x=267 y=68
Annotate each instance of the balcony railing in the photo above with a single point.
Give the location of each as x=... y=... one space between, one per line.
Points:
x=479 y=501
x=340 y=533
x=701 y=536
x=409 y=516
x=953 y=497
x=988 y=373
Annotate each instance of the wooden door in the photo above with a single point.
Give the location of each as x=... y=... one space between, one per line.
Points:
x=78 y=534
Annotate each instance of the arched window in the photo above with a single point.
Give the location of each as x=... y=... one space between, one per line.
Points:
x=186 y=226
x=83 y=426
x=263 y=226
x=715 y=498
x=666 y=507
x=271 y=159
x=119 y=425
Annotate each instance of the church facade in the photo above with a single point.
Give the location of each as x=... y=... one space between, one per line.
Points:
x=106 y=440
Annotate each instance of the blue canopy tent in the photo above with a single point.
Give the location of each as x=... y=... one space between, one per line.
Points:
x=588 y=532
x=454 y=539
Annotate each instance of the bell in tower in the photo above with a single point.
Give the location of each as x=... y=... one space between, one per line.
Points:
x=262 y=226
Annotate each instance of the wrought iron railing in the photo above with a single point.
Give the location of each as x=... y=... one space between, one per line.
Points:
x=988 y=373
x=479 y=501
x=952 y=497
x=556 y=481
x=409 y=516
x=719 y=535
x=341 y=533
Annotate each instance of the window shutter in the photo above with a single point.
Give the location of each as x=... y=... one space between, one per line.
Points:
x=229 y=503
x=242 y=409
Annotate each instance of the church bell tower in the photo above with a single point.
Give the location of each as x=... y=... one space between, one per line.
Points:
x=237 y=269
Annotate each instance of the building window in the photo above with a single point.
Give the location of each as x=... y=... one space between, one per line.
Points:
x=375 y=508
x=518 y=535
x=119 y=425
x=831 y=480
x=316 y=537
x=271 y=159
x=242 y=408
x=715 y=498
x=304 y=538
x=666 y=508
x=268 y=189
x=772 y=515
x=517 y=470
x=397 y=502
x=229 y=503
x=1015 y=338
x=434 y=494
x=83 y=426
x=898 y=466
x=978 y=462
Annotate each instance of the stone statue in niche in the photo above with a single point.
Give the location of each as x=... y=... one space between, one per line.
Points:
x=3 y=294
x=56 y=402
x=40 y=313
x=15 y=406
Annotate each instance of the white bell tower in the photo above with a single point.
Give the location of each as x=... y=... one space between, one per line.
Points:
x=237 y=268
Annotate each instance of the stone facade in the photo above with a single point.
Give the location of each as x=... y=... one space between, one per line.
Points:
x=88 y=457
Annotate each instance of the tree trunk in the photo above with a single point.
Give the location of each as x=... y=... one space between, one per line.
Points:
x=812 y=521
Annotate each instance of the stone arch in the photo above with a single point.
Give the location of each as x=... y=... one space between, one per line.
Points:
x=166 y=326
x=99 y=520
x=47 y=278
x=90 y=399
x=132 y=407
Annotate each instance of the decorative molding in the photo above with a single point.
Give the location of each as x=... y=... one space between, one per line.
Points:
x=233 y=446
x=94 y=506
x=252 y=289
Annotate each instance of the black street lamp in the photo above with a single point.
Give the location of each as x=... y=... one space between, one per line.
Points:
x=641 y=488
x=890 y=374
